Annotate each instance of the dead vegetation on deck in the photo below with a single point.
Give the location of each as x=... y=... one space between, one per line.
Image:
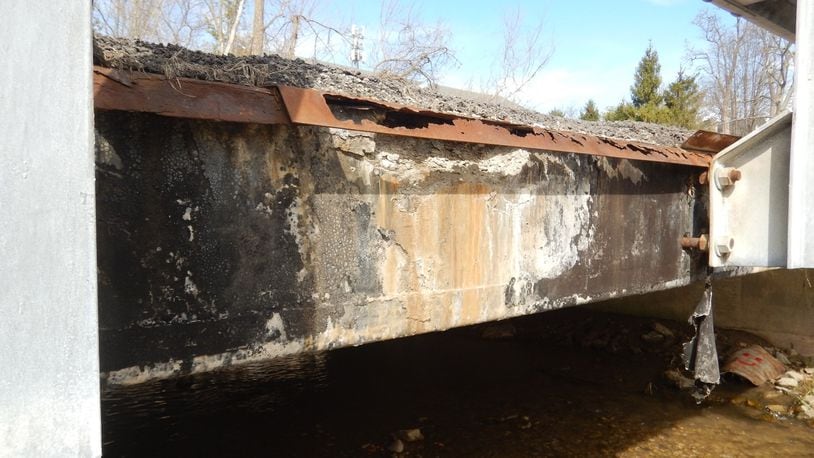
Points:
x=175 y=61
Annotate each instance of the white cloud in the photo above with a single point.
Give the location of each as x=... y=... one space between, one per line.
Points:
x=563 y=88
x=459 y=80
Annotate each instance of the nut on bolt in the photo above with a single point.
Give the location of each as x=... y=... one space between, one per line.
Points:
x=726 y=176
x=724 y=245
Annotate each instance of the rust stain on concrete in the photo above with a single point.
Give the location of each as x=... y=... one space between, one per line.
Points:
x=305 y=240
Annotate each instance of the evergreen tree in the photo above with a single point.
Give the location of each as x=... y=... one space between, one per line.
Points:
x=557 y=113
x=650 y=112
x=683 y=101
x=646 y=96
x=590 y=112
x=678 y=105
x=621 y=112
x=646 y=87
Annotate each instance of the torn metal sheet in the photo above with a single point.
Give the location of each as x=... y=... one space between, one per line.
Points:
x=700 y=353
x=755 y=364
x=708 y=142
x=315 y=108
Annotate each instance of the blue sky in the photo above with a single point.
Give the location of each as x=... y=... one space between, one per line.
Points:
x=597 y=43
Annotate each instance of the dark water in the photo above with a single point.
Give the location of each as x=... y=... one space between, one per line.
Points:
x=557 y=389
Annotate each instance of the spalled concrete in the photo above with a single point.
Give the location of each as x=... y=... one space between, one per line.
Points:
x=221 y=243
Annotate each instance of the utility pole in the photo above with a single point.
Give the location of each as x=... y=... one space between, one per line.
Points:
x=357 y=46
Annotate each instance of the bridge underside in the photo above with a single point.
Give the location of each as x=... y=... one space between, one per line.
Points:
x=221 y=243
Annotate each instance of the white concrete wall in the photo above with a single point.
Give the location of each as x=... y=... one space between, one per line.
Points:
x=777 y=305
x=801 y=188
x=49 y=385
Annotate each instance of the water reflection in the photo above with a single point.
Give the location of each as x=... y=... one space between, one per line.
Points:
x=541 y=393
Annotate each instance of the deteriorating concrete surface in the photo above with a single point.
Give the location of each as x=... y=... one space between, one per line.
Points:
x=221 y=243
x=175 y=61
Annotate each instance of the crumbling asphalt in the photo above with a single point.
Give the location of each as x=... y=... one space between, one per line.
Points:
x=176 y=61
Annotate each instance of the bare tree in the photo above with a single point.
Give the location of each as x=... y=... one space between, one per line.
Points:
x=128 y=18
x=182 y=22
x=223 y=18
x=407 y=48
x=174 y=21
x=747 y=73
x=293 y=23
x=257 y=45
x=780 y=71
x=522 y=55
x=233 y=29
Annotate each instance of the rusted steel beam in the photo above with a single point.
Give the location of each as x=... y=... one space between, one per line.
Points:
x=196 y=99
x=185 y=97
x=315 y=108
x=708 y=142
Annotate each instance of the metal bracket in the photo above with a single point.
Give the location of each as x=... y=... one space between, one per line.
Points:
x=749 y=198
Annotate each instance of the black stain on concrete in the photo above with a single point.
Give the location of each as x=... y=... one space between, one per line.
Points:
x=195 y=251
